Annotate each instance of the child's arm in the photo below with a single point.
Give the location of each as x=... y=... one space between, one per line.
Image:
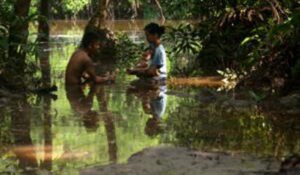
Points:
x=149 y=72
x=91 y=74
x=136 y=70
x=142 y=64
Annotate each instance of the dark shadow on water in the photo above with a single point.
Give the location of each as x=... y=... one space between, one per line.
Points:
x=23 y=146
x=21 y=125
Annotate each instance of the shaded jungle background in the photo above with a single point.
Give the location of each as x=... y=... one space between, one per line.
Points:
x=234 y=69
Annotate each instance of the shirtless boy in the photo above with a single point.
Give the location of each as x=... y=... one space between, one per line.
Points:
x=81 y=66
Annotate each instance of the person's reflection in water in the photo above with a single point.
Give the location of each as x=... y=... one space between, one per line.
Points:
x=157 y=108
x=82 y=105
x=108 y=118
x=154 y=101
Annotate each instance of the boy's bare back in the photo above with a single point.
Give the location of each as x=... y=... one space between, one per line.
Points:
x=79 y=63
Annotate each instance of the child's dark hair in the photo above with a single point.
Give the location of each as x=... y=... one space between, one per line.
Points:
x=88 y=38
x=154 y=28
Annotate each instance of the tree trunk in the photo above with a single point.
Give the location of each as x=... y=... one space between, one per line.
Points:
x=18 y=34
x=162 y=17
x=102 y=13
x=135 y=7
x=99 y=18
x=45 y=64
x=98 y=23
x=43 y=22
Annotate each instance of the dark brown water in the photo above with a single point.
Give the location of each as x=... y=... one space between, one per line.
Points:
x=59 y=27
x=86 y=126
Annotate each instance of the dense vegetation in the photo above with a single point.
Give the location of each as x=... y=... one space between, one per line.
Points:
x=241 y=40
x=258 y=40
x=254 y=43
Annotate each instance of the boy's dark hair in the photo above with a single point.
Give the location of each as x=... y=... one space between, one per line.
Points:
x=88 y=38
x=154 y=28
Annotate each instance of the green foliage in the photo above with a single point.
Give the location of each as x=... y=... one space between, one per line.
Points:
x=254 y=39
x=5 y=135
x=183 y=43
x=5 y=16
x=256 y=96
x=178 y=9
x=74 y=6
x=128 y=52
x=193 y=9
x=11 y=65
x=276 y=55
x=3 y=40
x=296 y=70
x=8 y=165
x=184 y=39
x=230 y=78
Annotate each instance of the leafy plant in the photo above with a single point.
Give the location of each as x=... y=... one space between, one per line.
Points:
x=230 y=79
x=256 y=96
x=276 y=56
x=74 y=6
x=11 y=64
x=183 y=43
x=127 y=52
x=184 y=39
x=9 y=165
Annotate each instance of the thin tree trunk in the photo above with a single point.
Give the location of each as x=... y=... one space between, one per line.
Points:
x=18 y=34
x=135 y=6
x=103 y=9
x=43 y=21
x=45 y=64
x=24 y=148
x=99 y=18
x=98 y=23
x=162 y=17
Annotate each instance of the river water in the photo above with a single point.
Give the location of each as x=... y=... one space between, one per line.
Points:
x=76 y=128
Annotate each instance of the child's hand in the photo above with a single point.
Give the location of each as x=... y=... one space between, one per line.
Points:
x=144 y=65
x=113 y=77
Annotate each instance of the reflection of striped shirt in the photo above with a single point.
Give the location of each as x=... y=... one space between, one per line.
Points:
x=159 y=59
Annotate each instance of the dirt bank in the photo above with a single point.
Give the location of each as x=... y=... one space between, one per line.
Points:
x=182 y=161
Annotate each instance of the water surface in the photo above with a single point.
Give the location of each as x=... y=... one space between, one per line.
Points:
x=98 y=125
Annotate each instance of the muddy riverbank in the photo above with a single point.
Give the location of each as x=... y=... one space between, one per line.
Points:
x=178 y=161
